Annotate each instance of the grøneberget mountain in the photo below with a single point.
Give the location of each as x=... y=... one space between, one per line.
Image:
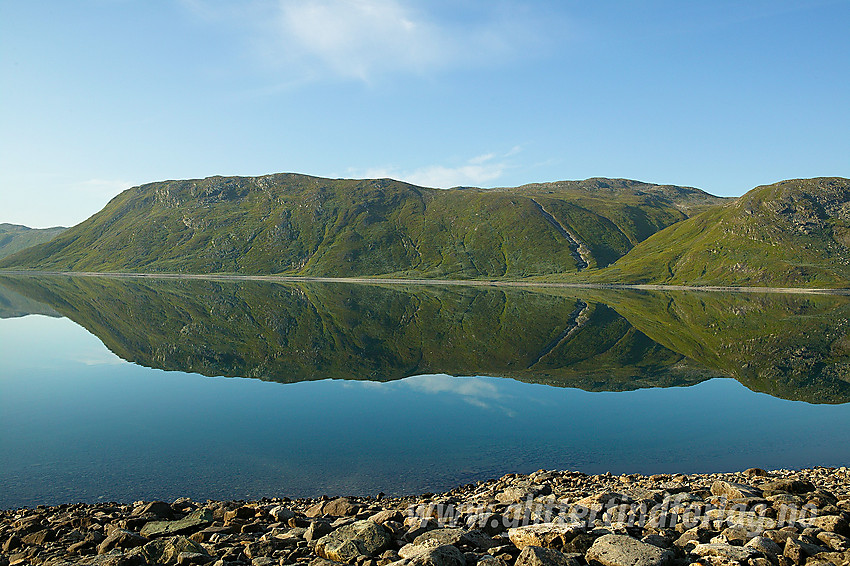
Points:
x=604 y=230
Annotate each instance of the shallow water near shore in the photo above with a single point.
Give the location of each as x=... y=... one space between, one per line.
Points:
x=354 y=395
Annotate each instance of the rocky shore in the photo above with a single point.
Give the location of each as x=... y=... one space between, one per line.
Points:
x=548 y=518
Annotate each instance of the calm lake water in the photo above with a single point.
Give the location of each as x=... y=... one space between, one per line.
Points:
x=113 y=389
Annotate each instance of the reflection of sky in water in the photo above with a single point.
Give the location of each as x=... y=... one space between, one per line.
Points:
x=77 y=423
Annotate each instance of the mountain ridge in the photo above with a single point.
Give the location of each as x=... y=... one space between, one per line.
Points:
x=17 y=237
x=790 y=233
x=794 y=233
x=296 y=224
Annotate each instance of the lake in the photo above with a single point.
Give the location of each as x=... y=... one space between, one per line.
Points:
x=124 y=389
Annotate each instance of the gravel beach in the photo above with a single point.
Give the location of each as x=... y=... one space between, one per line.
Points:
x=548 y=518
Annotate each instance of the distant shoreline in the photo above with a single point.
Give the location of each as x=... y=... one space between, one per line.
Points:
x=434 y=282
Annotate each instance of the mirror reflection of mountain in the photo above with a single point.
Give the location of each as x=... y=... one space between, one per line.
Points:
x=14 y=305
x=791 y=346
x=794 y=346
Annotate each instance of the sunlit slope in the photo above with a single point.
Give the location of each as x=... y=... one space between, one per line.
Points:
x=296 y=224
x=792 y=233
x=14 y=237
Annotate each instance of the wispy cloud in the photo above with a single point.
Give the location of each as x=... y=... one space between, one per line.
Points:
x=479 y=392
x=478 y=171
x=362 y=39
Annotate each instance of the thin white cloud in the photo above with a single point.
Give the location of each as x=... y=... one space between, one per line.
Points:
x=362 y=39
x=477 y=171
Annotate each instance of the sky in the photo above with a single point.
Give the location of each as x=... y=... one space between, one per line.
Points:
x=101 y=95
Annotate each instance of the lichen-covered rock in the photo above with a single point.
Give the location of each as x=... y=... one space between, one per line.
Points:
x=623 y=550
x=539 y=556
x=189 y=524
x=547 y=535
x=352 y=540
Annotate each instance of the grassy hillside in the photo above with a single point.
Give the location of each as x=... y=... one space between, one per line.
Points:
x=295 y=224
x=792 y=233
x=14 y=238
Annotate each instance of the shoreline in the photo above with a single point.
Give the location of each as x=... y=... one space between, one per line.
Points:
x=434 y=282
x=547 y=518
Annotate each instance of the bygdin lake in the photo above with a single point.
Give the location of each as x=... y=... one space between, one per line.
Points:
x=127 y=389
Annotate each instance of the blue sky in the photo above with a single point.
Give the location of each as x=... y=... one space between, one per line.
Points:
x=101 y=95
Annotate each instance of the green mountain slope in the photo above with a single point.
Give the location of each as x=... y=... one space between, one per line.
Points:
x=295 y=224
x=14 y=238
x=793 y=233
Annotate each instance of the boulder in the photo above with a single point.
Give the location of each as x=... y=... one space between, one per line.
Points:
x=281 y=514
x=317 y=530
x=547 y=535
x=167 y=550
x=119 y=538
x=831 y=523
x=445 y=555
x=539 y=556
x=189 y=524
x=341 y=507
x=732 y=490
x=794 y=487
x=623 y=550
x=355 y=539
x=159 y=508
x=382 y=517
x=765 y=546
x=725 y=551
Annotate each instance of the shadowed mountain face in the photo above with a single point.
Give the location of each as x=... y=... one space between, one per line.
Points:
x=791 y=346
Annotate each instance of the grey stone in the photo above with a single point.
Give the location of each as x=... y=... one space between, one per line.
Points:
x=382 y=517
x=352 y=540
x=547 y=535
x=317 y=530
x=794 y=487
x=479 y=540
x=834 y=541
x=167 y=550
x=194 y=558
x=831 y=523
x=190 y=523
x=282 y=514
x=732 y=490
x=765 y=546
x=726 y=551
x=119 y=538
x=622 y=550
x=341 y=507
x=445 y=555
x=159 y=508
x=539 y=556
x=439 y=537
